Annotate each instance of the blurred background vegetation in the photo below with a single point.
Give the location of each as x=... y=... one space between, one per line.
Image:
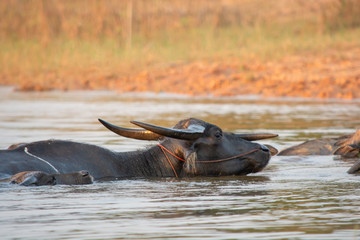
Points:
x=120 y=37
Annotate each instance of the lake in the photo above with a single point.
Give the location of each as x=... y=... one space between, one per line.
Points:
x=292 y=198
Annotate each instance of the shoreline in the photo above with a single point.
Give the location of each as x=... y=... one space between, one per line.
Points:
x=330 y=75
x=11 y=90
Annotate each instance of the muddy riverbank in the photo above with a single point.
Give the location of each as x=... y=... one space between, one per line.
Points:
x=333 y=74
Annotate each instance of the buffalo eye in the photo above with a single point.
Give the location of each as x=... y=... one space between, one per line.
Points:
x=218 y=134
x=52 y=181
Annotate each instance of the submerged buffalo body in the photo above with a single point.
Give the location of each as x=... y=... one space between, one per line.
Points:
x=191 y=148
x=347 y=146
x=38 y=178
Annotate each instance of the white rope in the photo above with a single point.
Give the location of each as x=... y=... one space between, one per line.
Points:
x=27 y=152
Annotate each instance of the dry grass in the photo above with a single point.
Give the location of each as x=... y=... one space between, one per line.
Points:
x=47 y=20
x=49 y=42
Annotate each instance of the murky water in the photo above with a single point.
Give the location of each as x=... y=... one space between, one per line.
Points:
x=293 y=198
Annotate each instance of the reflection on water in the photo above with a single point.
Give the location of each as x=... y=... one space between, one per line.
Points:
x=293 y=198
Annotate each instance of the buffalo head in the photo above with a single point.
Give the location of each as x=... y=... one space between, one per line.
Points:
x=74 y=178
x=33 y=178
x=349 y=147
x=39 y=178
x=204 y=148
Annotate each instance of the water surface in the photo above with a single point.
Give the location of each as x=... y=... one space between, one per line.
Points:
x=293 y=198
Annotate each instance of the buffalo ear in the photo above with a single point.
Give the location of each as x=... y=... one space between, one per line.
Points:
x=31 y=180
x=273 y=150
x=347 y=151
x=343 y=140
x=189 y=168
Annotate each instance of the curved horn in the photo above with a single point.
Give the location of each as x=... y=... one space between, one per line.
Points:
x=139 y=134
x=184 y=134
x=256 y=136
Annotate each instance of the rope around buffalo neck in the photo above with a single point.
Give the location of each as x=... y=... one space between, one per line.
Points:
x=39 y=158
x=167 y=150
x=210 y=161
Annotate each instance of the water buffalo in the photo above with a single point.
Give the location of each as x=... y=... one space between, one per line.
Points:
x=38 y=178
x=191 y=148
x=347 y=146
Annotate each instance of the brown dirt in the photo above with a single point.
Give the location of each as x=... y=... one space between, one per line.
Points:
x=330 y=75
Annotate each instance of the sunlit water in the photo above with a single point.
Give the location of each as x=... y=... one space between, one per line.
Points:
x=293 y=198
